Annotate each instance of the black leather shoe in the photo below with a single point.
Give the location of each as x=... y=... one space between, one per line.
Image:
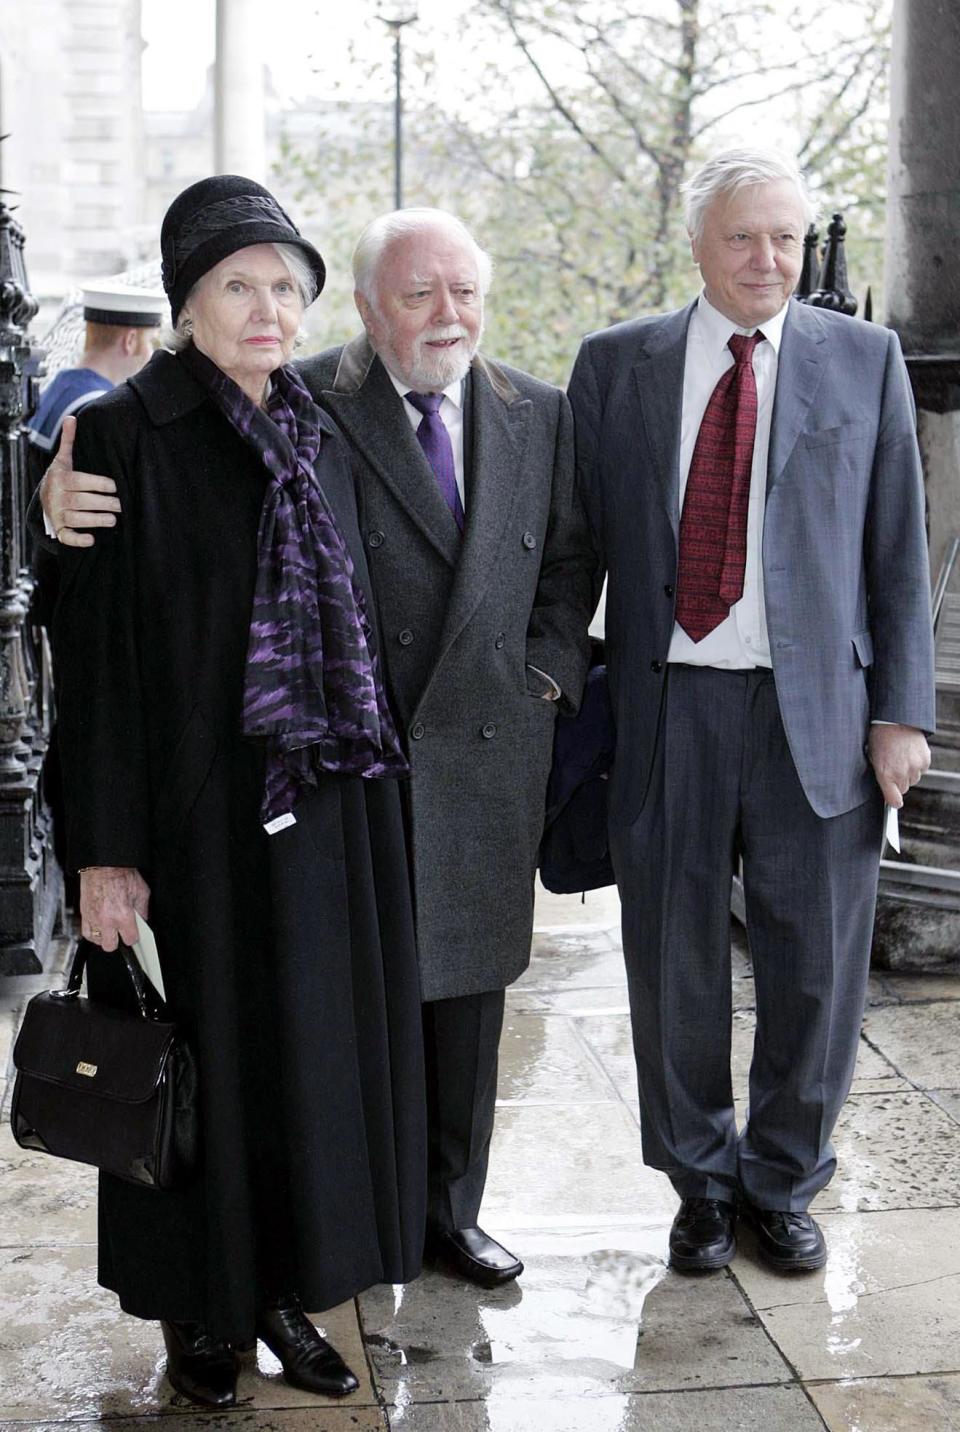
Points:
x=199 y=1366
x=307 y=1359
x=703 y=1235
x=474 y=1255
x=788 y=1242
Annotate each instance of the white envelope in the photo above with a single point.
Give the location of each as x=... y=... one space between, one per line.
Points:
x=146 y=952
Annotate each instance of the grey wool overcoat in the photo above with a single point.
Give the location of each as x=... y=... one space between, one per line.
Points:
x=463 y=620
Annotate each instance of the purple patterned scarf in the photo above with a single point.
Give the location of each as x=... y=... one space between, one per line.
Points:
x=312 y=684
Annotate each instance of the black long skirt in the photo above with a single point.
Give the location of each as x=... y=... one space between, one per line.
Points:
x=304 y=1004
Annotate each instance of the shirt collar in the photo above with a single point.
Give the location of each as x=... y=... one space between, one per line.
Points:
x=454 y=392
x=716 y=329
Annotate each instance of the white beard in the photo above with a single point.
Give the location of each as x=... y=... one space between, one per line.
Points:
x=433 y=369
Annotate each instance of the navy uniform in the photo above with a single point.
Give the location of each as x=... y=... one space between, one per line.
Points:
x=107 y=304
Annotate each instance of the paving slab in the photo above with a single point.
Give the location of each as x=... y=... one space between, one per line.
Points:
x=920 y=987
x=948 y=1099
x=239 y=1419
x=596 y=909
x=890 y=1404
x=762 y=1409
x=609 y=1038
x=546 y=1163
x=886 y=1305
x=44 y=1200
x=542 y=1060
x=573 y=961
x=570 y=1003
x=921 y=1041
x=894 y=1151
x=67 y=1352
x=604 y=1322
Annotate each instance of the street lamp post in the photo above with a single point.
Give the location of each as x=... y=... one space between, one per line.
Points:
x=396 y=24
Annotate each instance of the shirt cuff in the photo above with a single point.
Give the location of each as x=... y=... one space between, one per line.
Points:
x=553 y=693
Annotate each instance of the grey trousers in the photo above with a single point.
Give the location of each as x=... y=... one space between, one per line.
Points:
x=461 y=1038
x=724 y=785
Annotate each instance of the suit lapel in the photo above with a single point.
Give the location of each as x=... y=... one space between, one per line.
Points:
x=499 y=423
x=801 y=367
x=370 y=412
x=658 y=380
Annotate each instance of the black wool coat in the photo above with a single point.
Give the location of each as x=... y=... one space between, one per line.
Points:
x=289 y=959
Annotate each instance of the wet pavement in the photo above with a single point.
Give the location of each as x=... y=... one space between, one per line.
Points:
x=598 y=1335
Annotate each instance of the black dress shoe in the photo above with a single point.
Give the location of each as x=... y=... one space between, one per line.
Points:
x=199 y=1366
x=788 y=1242
x=703 y=1235
x=474 y=1255
x=307 y=1359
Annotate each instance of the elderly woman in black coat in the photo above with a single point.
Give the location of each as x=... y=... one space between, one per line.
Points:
x=230 y=765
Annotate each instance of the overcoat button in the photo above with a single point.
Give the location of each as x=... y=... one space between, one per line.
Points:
x=529 y=541
x=405 y=637
x=417 y=731
x=375 y=539
x=656 y=666
x=668 y=590
x=488 y=731
x=499 y=640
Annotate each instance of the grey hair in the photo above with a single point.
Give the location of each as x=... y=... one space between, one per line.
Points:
x=176 y=338
x=738 y=168
x=381 y=232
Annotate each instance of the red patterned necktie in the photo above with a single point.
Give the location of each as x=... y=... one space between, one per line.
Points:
x=713 y=526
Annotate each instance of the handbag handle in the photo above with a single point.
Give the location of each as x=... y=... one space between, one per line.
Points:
x=148 y=1002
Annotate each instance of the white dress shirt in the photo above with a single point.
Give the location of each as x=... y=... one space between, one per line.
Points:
x=741 y=640
x=451 y=415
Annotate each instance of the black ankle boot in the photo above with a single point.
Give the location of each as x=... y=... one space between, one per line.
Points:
x=199 y=1366
x=308 y=1360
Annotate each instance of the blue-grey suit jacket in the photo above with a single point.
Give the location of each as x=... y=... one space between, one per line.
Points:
x=845 y=567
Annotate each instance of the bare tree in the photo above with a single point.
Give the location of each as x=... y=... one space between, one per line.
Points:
x=577 y=121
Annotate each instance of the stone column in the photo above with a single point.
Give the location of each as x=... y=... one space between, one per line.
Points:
x=240 y=145
x=923 y=229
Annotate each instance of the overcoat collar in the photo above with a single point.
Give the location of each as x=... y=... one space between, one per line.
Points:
x=168 y=391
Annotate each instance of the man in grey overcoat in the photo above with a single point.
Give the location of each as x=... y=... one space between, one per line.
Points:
x=481 y=566
x=752 y=479
x=482 y=581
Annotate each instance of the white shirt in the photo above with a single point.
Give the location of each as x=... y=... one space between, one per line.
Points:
x=741 y=640
x=451 y=415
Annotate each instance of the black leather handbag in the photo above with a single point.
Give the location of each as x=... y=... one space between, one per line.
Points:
x=106 y=1086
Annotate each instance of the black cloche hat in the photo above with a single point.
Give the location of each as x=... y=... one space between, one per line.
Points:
x=213 y=219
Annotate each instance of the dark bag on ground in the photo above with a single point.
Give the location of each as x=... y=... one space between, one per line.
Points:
x=105 y=1086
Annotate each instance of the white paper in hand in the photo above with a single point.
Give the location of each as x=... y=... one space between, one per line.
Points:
x=891 y=828
x=146 y=952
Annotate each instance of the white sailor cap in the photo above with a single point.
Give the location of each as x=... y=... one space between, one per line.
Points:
x=111 y=302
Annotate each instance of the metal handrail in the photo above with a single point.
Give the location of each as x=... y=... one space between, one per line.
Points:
x=943 y=577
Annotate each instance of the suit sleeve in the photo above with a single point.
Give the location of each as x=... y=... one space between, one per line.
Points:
x=584 y=395
x=557 y=640
x=99 y=699
x=897 y=565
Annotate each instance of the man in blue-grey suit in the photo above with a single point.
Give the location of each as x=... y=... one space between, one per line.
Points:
x=752 y=478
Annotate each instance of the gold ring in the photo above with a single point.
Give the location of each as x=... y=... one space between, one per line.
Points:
x=95 y=934
x=62 y=528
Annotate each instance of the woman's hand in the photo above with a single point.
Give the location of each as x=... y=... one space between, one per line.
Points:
x=111 y=897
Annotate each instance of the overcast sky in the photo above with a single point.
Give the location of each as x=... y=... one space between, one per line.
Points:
x=299 y=46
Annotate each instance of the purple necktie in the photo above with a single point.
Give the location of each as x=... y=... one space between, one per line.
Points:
x=433 y=437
